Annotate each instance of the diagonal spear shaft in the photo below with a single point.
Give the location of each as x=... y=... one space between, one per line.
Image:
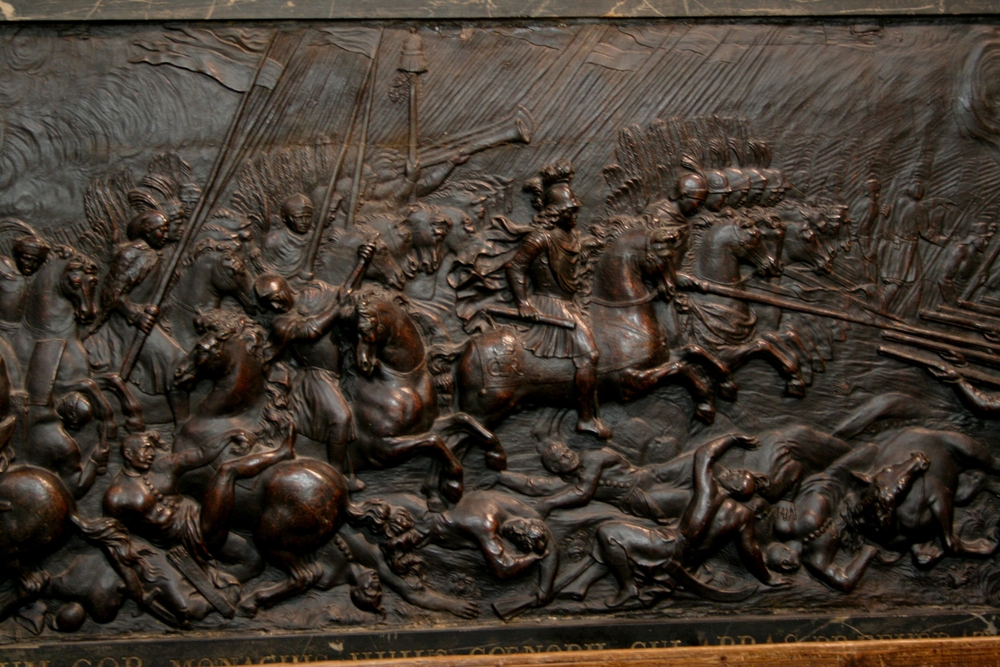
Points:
x=306 y=270
x=199 y=214
x=363 y=143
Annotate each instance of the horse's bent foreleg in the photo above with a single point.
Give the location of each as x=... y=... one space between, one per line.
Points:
x=716 y=368
x=786 y=366
x=635 y=382
x=134 y=420
x=461 y=423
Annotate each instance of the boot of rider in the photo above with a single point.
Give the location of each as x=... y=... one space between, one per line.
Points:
x=586 y=402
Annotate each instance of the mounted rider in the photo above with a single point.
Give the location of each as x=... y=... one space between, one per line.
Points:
x=544 y=277
x=127 y=304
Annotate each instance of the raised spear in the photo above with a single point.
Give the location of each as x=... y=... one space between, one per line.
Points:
x=203 y=206
x=306 y=269
x=363 y=142
x=413 y=63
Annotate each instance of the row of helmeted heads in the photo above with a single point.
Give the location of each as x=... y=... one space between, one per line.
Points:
x=716 y=189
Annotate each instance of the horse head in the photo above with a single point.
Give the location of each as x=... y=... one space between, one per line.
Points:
x=875 y=510
x=230 y=341
x=803 y=245
x=429 y=228
x=78 y=284
x=230 y=277
x=749 y=246
x=372 y=331
x=386 y=334
x=392 y=264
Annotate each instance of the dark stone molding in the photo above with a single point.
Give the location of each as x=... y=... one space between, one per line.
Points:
x=194 y=10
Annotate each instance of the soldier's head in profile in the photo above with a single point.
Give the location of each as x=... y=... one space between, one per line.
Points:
x=30 y=252
x=139 y=450
x=981 y=235
x=150 y=226
x=296 y=213
x=873 y=185
x=692 y=189
x=274 y=293
x=552 y=196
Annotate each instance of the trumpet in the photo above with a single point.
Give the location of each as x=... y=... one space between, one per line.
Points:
x=517 y=128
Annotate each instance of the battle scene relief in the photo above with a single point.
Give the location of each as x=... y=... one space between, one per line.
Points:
x=338 y=325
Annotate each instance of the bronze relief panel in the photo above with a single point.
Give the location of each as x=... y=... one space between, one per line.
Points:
x=459 y=336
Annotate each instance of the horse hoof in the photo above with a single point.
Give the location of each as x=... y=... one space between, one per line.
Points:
x=728 y=390
x=795 y=388
x=135 y=424
x=595 y=427
x=247 y=608
x=496 y=459
x=452 y=490
x=705 y=412
x=355 y=485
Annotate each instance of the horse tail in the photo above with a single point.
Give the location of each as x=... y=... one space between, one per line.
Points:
x=441 y=362
x=893 y=405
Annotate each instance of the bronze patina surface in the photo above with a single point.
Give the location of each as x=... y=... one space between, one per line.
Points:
x=364 y=340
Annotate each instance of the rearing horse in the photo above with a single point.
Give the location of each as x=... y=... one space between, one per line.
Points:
x=395 y=403
x=61 y=299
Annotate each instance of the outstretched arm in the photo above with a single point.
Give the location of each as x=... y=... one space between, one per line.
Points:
x=530 y=486
x=577 y=495
x=416 y=594
x=977 y=400
x=190 y=459
x=702 y=506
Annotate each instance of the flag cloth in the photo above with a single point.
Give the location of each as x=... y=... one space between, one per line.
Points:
x=232 y=59
x=355 y=40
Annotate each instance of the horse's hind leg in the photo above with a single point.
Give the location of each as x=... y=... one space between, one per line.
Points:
x=134 y=420
x=635 y=382
x=390 y=452
x=303 y=574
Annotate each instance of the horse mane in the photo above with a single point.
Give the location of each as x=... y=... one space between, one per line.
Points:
x=602 y=233
x=71 y=254
x=227 y=323
x=203 y=246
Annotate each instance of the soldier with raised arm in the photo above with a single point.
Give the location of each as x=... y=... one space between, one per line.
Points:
x=300 y=332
